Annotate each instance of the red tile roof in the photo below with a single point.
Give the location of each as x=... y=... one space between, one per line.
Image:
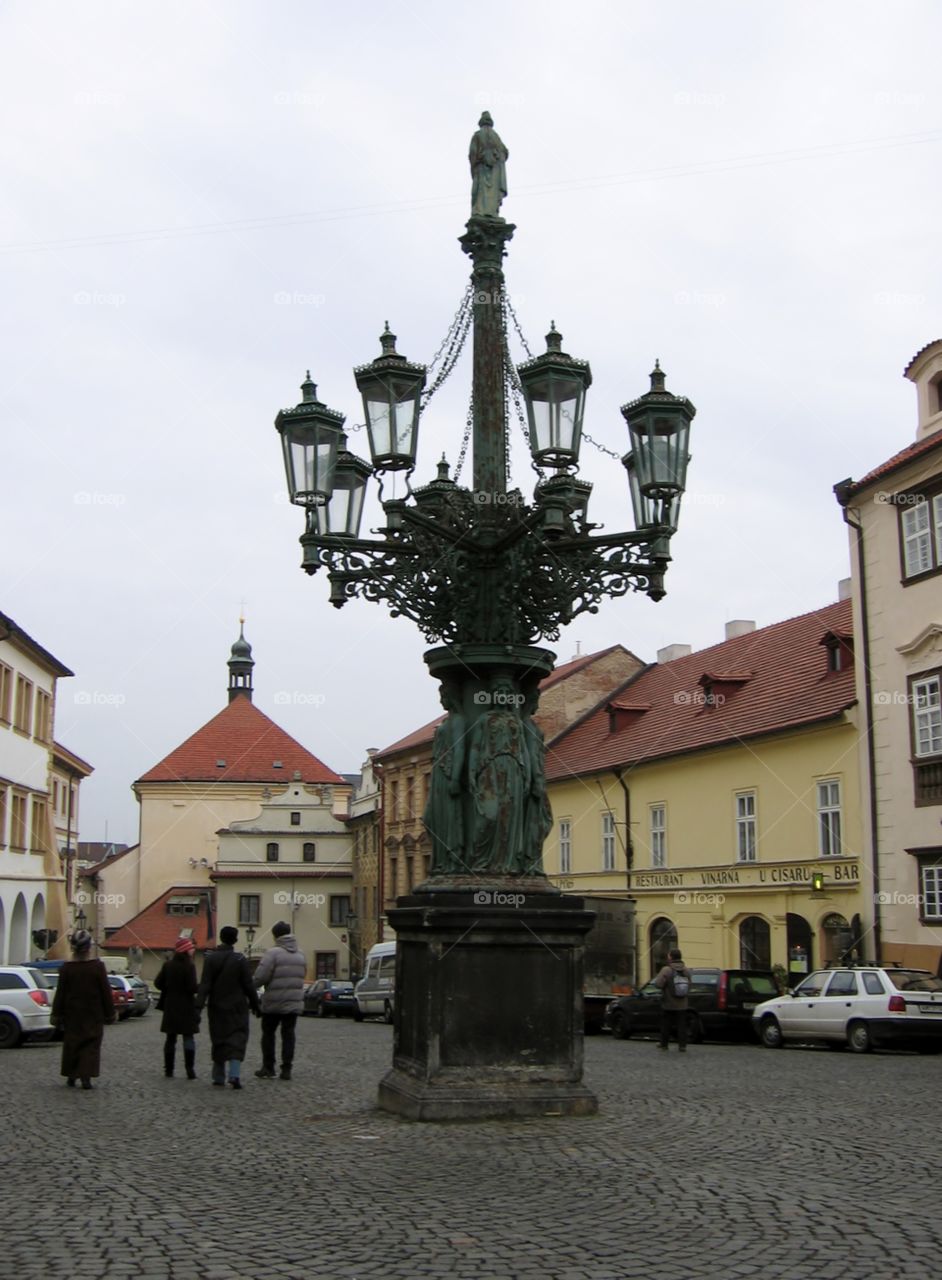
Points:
x=249 y=743
x=419 y=737
x=790 y=685
x=154 y=929
x=912 y=451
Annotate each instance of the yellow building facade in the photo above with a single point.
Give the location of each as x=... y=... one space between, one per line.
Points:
x=719 y=844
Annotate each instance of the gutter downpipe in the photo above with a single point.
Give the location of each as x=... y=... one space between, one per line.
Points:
x=629 y=860
x=842 y=493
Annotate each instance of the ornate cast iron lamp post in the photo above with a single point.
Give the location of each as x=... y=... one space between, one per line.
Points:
x=489 y=1014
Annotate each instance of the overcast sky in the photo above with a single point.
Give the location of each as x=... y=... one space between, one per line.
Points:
x=202 y=200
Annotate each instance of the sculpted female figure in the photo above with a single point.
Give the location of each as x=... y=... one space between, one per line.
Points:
x=488 y=157
x=499 y=769
x=443 y=816
x=538 y=819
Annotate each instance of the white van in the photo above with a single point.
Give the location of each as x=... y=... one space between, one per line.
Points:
x=375 y=993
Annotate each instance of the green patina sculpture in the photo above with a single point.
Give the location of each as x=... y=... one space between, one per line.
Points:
x=444 y=812
x=488 y=157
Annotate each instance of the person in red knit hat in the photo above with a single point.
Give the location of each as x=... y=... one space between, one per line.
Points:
x=177 y=985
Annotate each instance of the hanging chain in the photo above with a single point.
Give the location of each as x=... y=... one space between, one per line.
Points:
x=517 y=326
x=451 y=347
x=601 y=447
x=468 y=426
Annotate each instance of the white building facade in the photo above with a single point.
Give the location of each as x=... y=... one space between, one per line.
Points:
x=894 y=516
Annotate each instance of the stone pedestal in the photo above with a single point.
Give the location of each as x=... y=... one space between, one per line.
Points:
x=489 y=1017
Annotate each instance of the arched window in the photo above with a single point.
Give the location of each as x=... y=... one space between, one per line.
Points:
x=755 y=944
x=662 y=937
x=836 y=938
x=271 y=853
x=308 y=851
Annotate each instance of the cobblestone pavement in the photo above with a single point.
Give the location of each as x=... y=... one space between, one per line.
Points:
x=733 y=1161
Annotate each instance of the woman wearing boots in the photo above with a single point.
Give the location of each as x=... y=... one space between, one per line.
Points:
x=81 y=1007
x=177 y=985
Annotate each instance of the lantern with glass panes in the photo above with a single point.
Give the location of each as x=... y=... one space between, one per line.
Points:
x=554 y=386
x=391 y=388
x=659 y=429
x=310 y=439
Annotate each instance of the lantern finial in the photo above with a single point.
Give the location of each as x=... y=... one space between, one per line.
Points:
x=308 y=389
x=388 y=340
x=657 y=377
x=554 y=339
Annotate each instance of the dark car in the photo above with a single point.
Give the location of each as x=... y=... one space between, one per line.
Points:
x=720 y=1005
x=327 y=998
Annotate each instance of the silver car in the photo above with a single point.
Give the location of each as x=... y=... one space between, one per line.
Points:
x=25 y=1006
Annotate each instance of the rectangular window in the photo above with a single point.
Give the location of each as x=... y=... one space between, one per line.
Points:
x=339 y=909
x=296 y=818
x=271 y=853
x=565 y=846
x=18 y=832
x=38 y=833
x=309 y=850
x=410 y=797
x=3 y=817
x=6 y=692
x=917 y=539
x=249 y=908
x=608 y=842
x=658 y=835
x=931 y=892
x=927 y=716
x=920 y=531
x=325 y=964
x=24 y=704
x=43 y=721
x=394 y=801
x=829 y=818
x=746 y=826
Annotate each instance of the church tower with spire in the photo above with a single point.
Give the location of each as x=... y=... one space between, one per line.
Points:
x=240 y=666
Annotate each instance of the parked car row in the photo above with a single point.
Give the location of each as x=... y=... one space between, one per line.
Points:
x=860 y=1008
x=27 y=993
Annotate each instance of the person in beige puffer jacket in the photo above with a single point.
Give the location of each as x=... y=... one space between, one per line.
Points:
x=281 y=972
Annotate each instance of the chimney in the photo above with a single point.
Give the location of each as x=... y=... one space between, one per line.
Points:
x=844 y=589
x=739 y=627
x=672 y=651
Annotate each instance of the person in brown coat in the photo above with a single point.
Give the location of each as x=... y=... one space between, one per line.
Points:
x=674 y=981
x=81 y=1007
x=177 y=985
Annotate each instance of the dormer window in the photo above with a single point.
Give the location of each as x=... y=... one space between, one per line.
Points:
x=839 y=646
x=623 y=714
x=719 y=686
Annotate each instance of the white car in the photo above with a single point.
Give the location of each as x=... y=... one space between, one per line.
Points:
x=375 y=993
x=25 y=1006
x=862 y=1007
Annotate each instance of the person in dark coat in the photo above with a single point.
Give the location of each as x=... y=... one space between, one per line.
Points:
x=177 y=985
x=81 y=1006
x=228 y=992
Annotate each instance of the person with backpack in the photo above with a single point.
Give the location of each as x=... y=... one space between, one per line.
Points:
x=674 y=982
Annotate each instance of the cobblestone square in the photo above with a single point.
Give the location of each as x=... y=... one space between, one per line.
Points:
x=731 y=1162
